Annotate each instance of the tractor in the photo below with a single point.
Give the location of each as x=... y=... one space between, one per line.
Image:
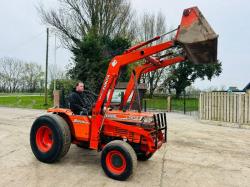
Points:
x=125 y=135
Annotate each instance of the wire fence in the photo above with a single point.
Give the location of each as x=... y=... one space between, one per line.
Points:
x=185 y=103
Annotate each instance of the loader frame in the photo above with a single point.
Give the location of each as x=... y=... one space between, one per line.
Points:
x=98 y=127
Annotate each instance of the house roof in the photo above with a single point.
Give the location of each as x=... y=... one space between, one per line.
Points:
x=247 y=87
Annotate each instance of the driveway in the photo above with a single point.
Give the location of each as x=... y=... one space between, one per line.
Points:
x=197 y=154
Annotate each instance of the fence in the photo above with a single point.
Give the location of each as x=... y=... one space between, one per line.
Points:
x=226 y=107
x=187 y=104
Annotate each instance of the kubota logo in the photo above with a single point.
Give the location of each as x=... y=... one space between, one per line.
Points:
x=104 y=85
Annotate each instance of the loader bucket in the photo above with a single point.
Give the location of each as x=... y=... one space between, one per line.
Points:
x=197 y=38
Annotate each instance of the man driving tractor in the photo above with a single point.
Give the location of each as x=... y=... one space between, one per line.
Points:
x=77 y=102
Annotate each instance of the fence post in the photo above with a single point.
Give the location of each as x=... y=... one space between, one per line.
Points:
x=248 y=95
x=235 y=109
x=56 y=94
x=201 y=109
x=210 y=100
x=246 y=107
x=184 y=102
x=169 y=103
x=241 y=105
x=225 y=106
x=206 y=105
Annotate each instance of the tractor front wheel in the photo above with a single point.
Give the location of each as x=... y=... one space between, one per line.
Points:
x=50 y=138
x=118 y=160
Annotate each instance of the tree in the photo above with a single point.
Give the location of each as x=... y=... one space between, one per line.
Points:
x=74 y=19
x=56 y=73
x=94 y=31
x=150 y=27
x=91 y=59
x=184 y=74
x=17 y=75
x=11 y=70
x=32 y=77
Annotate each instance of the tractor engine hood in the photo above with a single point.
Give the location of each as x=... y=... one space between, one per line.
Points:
x=197 y=38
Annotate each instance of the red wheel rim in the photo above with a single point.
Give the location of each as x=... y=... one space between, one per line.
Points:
x=116 y=162
x=44 y=138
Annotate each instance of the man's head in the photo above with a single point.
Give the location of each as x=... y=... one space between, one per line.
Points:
x=79 y=86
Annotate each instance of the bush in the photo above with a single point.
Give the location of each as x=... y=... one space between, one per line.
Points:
x=67 y=85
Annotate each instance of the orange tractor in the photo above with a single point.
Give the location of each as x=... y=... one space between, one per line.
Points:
x=124 y=135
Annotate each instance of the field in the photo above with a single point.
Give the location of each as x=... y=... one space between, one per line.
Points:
x=24 y=101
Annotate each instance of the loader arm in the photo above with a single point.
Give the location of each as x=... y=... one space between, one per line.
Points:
x=117 y=63
x=110 y=81
x=146 y=68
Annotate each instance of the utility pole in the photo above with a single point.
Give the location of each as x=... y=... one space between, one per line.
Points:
x=55 y=64
x=46 y=70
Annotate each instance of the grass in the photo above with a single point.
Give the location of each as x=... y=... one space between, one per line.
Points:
x=34 y=102
x=156 y=103
x=192 y=104
x=37 y=102
x=21 y=93
x=161 y=103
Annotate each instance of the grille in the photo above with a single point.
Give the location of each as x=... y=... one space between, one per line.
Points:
x=160 y=120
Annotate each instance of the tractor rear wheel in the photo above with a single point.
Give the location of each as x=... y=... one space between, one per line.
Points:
x=118 y=160
x=50 y=138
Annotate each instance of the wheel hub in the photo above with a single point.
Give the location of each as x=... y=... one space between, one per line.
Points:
x=116 y=162
x=44 y=139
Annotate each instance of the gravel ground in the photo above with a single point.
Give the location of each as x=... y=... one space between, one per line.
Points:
x=197 y=154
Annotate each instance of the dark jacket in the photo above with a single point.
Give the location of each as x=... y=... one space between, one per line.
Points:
x=77 y=102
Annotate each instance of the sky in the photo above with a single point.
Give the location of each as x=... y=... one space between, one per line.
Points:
x=23 y=35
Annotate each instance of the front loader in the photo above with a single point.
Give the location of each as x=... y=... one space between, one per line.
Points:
x=124 y=135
